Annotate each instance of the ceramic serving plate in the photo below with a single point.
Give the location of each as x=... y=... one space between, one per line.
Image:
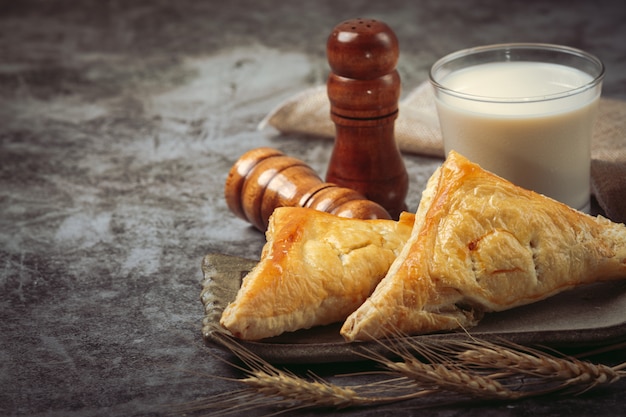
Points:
x=588 y=316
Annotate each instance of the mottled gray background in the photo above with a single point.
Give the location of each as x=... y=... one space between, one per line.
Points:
x=118 y=123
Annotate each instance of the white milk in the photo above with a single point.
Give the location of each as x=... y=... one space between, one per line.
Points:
x=541 y=144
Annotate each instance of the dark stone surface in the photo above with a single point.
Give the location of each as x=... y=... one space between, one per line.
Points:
x=118 y=123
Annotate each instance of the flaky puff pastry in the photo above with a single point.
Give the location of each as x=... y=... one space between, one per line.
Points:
x=481 y=244
x=315 y=269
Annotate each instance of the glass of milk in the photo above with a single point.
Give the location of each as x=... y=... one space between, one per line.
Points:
x=524 y=112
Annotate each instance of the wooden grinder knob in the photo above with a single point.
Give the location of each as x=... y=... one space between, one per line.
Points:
x=265 y=178
x=363 y=89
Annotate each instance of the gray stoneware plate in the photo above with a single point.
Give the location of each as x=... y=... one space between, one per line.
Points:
x=585 y=317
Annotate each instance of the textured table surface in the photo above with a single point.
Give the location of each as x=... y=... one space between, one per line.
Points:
x=118 y=124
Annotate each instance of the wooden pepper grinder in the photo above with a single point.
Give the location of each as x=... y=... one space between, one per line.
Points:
x=265 y=178
x=364 y=88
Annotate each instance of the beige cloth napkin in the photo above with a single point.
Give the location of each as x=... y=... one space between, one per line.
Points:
x=417 y=131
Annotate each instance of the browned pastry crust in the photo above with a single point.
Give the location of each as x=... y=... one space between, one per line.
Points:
x=315 y=269
x=481 y=244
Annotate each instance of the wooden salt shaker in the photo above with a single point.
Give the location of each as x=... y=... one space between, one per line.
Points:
x=363 y=89
x=265 y=178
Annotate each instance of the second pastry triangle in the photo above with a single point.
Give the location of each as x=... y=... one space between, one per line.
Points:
x=481 y=244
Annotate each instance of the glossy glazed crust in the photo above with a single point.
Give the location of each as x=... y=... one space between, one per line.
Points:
x=481 y=244
x=315 y=269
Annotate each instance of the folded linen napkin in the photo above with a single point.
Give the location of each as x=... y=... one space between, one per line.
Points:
x=417 y=131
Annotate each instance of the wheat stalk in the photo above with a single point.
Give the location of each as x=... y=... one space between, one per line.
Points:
x=568 y=371
x=437 y=370
x=296 y=390
x=443 y=371
x=268 y=386
x=451 y=378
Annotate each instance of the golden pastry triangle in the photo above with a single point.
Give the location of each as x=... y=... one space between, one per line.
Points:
x=481 y=244
x=315 y=269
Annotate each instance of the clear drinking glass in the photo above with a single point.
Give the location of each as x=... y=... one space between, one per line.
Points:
x=524 y=112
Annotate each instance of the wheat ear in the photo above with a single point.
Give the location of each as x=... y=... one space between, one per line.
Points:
x=569 y=371
x=438 y=372
x=270 y=386
x=443 y=371
x=452 y=378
